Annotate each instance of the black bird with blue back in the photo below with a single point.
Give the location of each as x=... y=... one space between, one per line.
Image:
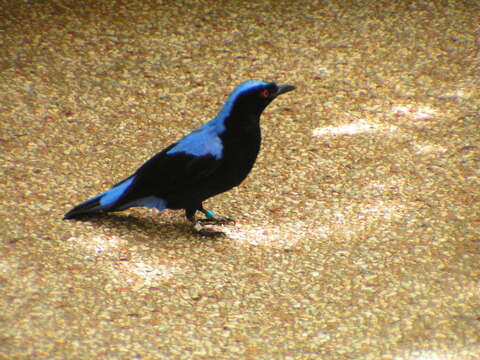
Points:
x=210 y=160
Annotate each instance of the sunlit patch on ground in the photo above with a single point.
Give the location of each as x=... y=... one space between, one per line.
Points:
x=126 y=264
x=349 y=221
x=149 y=274
x=354 y=128
x=284 y=235
x=5 y=267
x=461 y=93
x=379 y=188
x=414 y=112
x=323 y=69
x=429 y=149
x=8 y=267
x=437 y=355
x=101 y=244
x=381 y=209
x=344 y=220
x=425 y=355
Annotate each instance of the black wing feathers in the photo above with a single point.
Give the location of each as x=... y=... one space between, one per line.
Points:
x=165 y=175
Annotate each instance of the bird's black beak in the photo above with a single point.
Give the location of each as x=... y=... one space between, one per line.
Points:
x=282 y=89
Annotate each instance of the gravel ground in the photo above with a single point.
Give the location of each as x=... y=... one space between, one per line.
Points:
x=357 y=232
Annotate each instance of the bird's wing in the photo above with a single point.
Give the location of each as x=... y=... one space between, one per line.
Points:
x=187 y=161
x=181 y=165
x=173 y=170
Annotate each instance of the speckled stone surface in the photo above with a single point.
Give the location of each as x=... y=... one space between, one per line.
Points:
x=357 y=232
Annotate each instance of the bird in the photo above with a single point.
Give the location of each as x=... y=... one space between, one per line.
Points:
x=210 y=160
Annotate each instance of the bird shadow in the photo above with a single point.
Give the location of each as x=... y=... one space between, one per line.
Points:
x=146 y=225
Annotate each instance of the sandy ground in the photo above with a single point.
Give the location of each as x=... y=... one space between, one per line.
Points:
x=357 y=232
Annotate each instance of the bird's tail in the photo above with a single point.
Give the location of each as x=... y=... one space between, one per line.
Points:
x=103 y=202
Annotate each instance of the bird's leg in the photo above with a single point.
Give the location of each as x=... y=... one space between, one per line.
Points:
x=198 y=228
x=210 y=218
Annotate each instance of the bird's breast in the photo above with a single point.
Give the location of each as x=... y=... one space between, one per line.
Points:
x=239 y=155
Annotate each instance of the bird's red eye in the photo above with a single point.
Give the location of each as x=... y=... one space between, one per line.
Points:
x=265 y=93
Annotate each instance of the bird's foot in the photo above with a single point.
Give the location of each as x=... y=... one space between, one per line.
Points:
x=211 y=219
x=200 y=230
x=217 y=221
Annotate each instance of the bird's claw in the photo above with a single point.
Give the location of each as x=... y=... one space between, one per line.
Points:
x=200 y=230
x=211 y=219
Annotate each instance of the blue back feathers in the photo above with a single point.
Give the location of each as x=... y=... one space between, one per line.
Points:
x=205 y=140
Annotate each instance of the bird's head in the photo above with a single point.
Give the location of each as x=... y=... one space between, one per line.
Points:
x=250 y=98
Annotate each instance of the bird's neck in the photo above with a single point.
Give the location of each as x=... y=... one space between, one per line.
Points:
x=243 y=123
